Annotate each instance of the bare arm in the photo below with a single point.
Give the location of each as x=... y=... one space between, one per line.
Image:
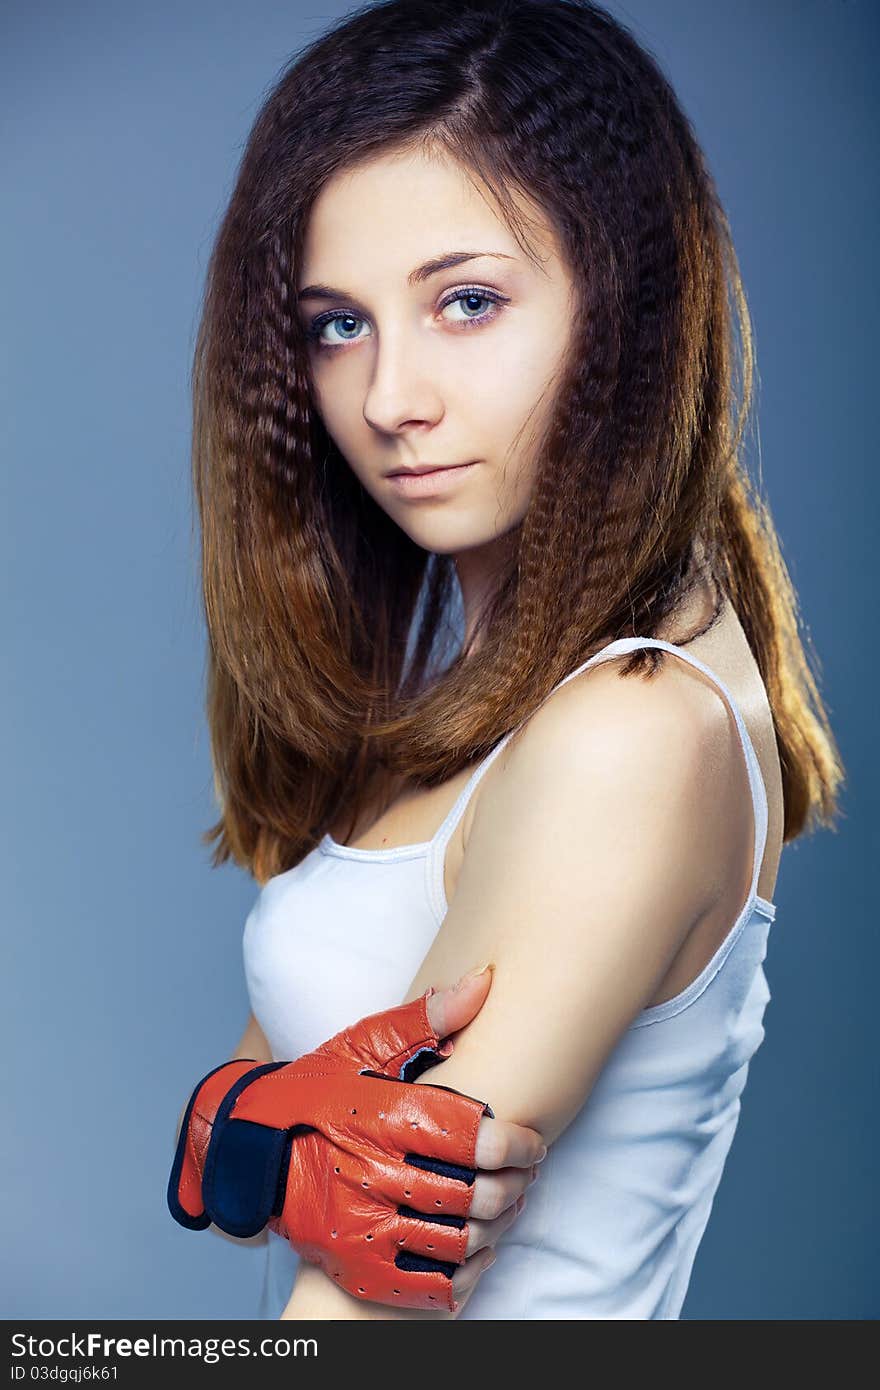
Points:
x=590 y=858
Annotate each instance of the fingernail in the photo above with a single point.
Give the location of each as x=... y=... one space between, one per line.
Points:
x=521 y=1202
x=491 y=1260
x=477 y=971
x=542 y=1155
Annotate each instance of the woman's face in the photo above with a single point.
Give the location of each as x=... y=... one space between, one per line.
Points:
x=434 y=337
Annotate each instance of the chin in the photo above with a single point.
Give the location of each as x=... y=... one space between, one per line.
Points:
x=448 y=535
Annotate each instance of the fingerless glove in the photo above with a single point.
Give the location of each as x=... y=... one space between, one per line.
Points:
x=367 y=1175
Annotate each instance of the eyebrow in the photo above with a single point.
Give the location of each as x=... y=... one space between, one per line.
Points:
x=415 y=277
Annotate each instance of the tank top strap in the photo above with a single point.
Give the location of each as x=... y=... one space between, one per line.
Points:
x=620 y=647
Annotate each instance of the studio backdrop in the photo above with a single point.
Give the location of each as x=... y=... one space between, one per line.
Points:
x=123 y=982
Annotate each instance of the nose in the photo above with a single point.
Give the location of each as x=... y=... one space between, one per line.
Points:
x=401 y=392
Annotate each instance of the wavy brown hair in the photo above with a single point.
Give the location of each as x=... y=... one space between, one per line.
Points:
x=324 y=618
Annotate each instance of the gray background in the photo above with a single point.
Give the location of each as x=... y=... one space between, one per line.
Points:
x=122 y=129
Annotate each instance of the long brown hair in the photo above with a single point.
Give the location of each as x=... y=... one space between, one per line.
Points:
x=328 y=670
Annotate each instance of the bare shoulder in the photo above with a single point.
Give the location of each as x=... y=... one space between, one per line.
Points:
x=668 y=723
x=642 y=754
x=601 y=703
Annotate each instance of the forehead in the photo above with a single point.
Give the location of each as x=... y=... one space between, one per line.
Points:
x=394 y=211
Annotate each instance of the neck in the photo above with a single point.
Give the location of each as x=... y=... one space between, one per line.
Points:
x=478 y=571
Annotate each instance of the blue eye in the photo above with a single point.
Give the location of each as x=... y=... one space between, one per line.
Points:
x=315 y=330
x=470 y=298
x=466 y=298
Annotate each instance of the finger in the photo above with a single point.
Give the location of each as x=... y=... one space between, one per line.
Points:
x=446 y=1242
x=495 y=1192
x=503 y=1144
x=483 y=1233
x=450 y=1009
x=438 y=1234
x=430 y=1194
x=466 y=1276
x=405 y=1186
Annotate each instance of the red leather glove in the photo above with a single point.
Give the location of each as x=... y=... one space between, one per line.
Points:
x=366 y=1175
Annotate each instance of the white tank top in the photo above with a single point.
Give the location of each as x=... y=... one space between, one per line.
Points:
x=612 y=1225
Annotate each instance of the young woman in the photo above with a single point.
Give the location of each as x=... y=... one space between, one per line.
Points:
x=505 y=661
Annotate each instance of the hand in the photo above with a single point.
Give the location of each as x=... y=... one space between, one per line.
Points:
x=507 y=1155
x=366 y=1174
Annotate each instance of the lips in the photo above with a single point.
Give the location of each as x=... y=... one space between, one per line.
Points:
x=422 y=468
x=432 y=481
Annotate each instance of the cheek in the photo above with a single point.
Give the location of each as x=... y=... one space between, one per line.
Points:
x=519 y=377
x=521 y=414
x=340 y=416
